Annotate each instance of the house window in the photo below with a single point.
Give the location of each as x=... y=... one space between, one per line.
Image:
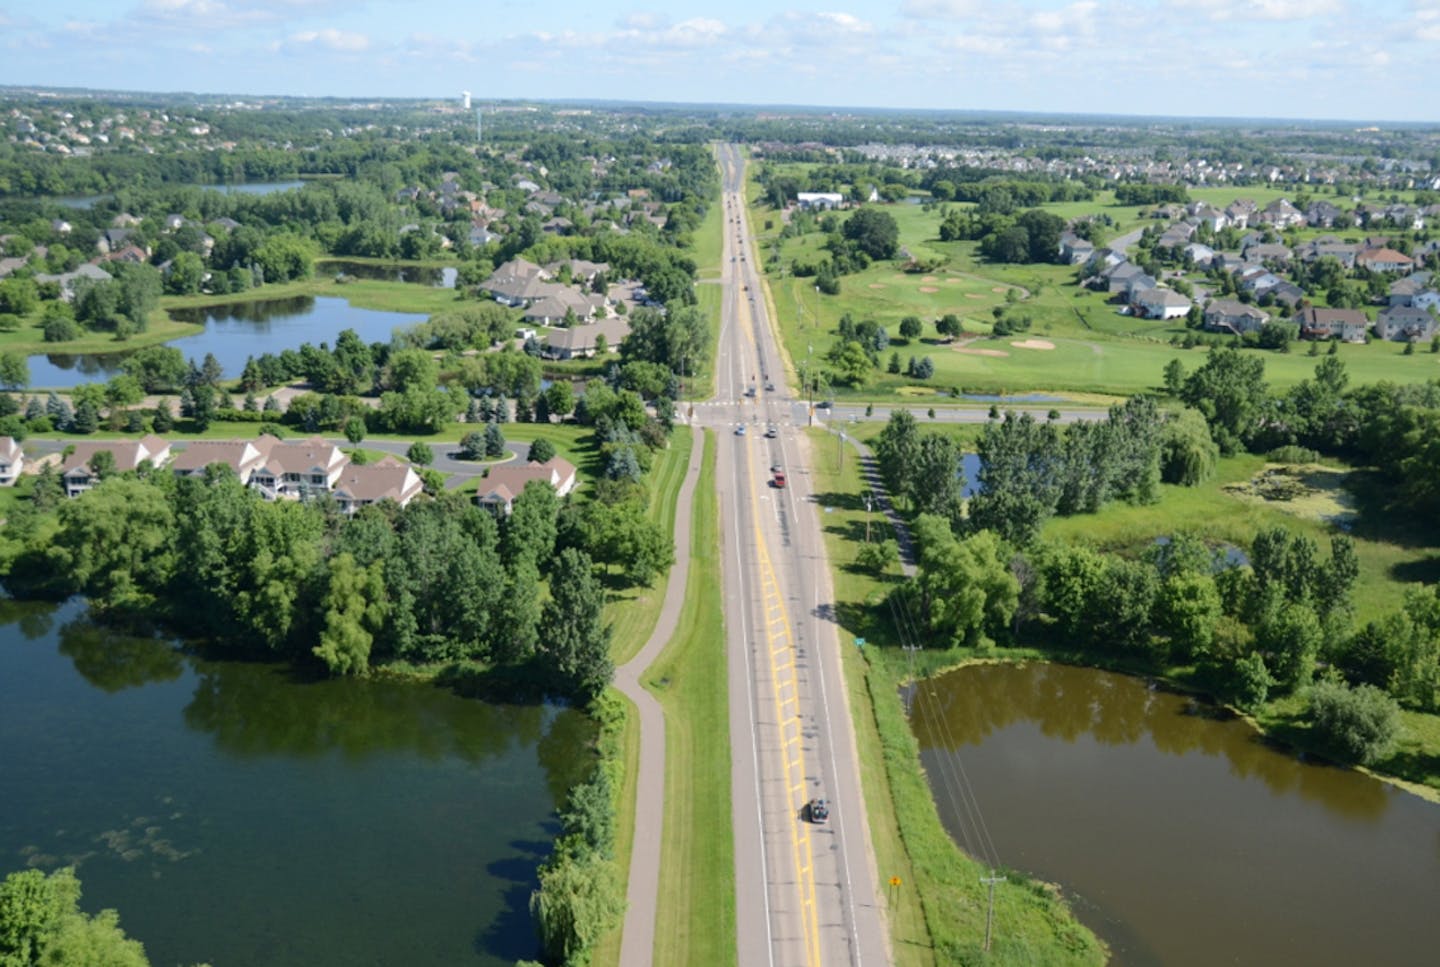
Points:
x=317 y=479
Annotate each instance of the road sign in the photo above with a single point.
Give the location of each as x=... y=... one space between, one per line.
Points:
x=859 y=642
x=894 y=881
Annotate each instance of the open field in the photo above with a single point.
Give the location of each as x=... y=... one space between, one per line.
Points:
x=696 y=914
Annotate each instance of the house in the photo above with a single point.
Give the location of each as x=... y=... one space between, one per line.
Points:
x=1281 y=214
x=1405 y=324
x=819 y=199
x=1212 y=218
x=113 y=239
x=76 y=472
x=1348 y=325
x=242 y=457
x=580 y=341
x=69 y=280
x=503 y=484
x=554 y=309
x=1104 y=259
x=1161 y=304
x=1075 y=250
x=1176 y=235
x=61 y=227
x=1384 y=260
x=174 y=221
x=1269 y=252
x=1137 y=284
x=1227 y=315
x=1285 y=293
x=1200 y=255
x=12 y=461
x=361 y=485
x=1118 y=277
x=1403 y=291
x=296 y=469
x=1322 y=214
x=1329 y=246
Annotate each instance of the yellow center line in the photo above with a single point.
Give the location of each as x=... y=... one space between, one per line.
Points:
x=784 y=677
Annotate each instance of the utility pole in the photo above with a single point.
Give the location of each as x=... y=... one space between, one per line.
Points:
x=869 y=501
x=990 y=881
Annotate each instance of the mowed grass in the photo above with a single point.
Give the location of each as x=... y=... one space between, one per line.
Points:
x=1097 y=350
x=937 y=915
x=695 y=921
x=632 y=613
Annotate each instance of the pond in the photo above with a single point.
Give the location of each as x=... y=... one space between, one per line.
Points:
x=84 y=202
x=1181 y=837
x=437 y=278
x=236 y=815
x=234 y=332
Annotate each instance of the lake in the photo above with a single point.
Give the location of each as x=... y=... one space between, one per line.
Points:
x=84 y=202
x=236 y=814
x=234 y=332
x=437 y=278
x=1179 y=835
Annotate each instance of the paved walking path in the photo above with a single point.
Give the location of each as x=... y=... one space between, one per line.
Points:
x=637 y=944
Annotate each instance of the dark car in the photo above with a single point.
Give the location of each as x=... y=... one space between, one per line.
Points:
x=817 y=811
x=825 y=404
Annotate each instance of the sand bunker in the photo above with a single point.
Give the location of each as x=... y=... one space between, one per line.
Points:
x=953 y=281
x=981 y=352
x=998 y=288
x=929 y=278
x=973 y=295
x=877 y=285
x=1034 y=344
x=928 y=288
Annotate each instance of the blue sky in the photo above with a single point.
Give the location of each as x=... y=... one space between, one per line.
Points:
x=1361 y=59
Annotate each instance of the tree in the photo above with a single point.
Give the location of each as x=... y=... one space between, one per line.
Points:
x=355 y=607
x=472 y=445
x=576 y=640
x=873 y=232
x=897 y=450
x=1174 y=377
x=1292 y=639
x=560 y=398
x=966 y=586
x=355 y=430
x=1188 y=454
x=41 y=923
x=1187 y=609
x=911 y=327
x=949 y=326
x=541 y=451
x=878 y=557
x=14 y=371
x=420 y=454
x=1229 y=391
x=1359 y=724
x=580 y=900
x=852 y=364
x=494 y=441
x=935 y=483
x=530 y=530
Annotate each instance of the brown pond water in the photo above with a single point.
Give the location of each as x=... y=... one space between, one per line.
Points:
x=1179 y=835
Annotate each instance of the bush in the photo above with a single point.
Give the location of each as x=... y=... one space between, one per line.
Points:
x=420 y=454
x=541 y=450
x=1357 y=724
x=1292 y=454
x=472 y=446
x=61 y=330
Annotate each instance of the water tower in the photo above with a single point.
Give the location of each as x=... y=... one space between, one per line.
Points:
x=465 y=100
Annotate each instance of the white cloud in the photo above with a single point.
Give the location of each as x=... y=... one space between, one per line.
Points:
x=940 y=9
x=330 y=39
x=1273 y=10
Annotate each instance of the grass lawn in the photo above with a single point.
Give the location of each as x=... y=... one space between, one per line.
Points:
x=633 y=612
x=1096 y=350
x=406 y=297
x=696 y=914
x=30 y=339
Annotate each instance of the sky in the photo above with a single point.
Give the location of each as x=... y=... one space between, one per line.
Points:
x=1366 y=60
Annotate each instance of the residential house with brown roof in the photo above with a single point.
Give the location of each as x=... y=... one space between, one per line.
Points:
x=1228 y=315
x=297 y=468
x=503 y=484
x=12 y=461
x=242 y=457
x=76 y=471
x=1385 y=260
x=363 y=484
x=578 y=341
x=1405 y=324
x=1348 y=325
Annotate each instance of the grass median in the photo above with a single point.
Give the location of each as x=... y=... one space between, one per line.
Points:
x=696 y=913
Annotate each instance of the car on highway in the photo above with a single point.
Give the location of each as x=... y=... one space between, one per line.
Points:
x=769 y=386
x=740 y=430
x=825 y=404
x=770 y=432
x=817 y=811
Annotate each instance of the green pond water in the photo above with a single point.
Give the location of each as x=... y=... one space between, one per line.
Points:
x=236 y=814
x=1179 y=835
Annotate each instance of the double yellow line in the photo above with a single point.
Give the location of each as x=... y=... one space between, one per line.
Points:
x=785 y=683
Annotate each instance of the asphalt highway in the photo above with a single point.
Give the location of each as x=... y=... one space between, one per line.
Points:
x=806 y=892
